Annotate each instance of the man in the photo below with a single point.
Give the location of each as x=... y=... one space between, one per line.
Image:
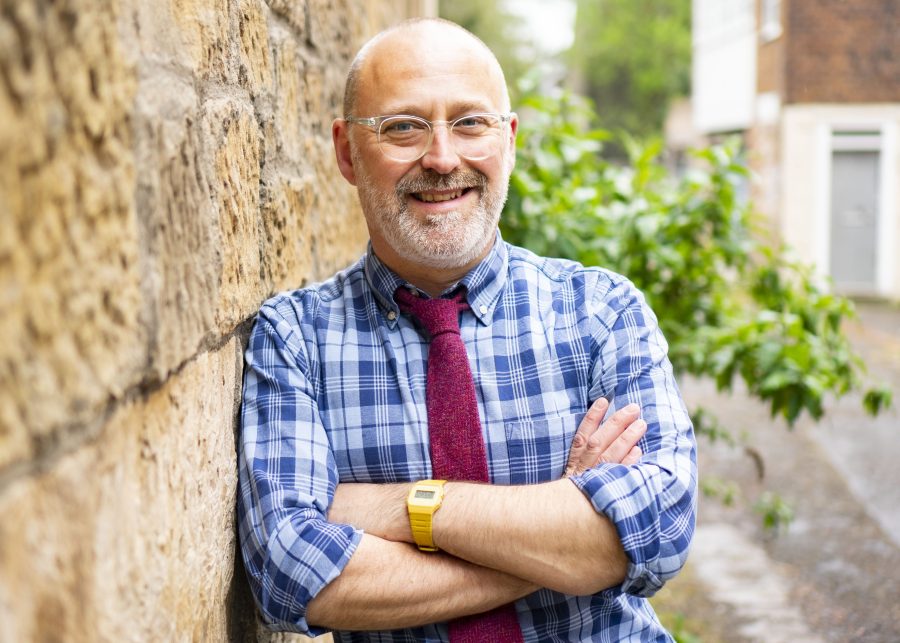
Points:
x=579 y=523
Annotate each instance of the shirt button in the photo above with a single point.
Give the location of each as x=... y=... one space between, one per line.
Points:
x=391 y=315
x=483 y=309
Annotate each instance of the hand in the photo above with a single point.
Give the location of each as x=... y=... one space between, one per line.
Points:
x=613 y=441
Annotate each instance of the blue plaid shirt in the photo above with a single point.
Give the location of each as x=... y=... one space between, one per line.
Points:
x=334 y=391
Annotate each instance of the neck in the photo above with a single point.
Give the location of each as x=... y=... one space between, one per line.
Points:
x=432 y=281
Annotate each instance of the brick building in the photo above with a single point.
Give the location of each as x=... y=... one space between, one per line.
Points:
x=813 y=86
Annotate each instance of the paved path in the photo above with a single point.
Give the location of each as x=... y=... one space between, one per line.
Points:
x=835 y=574
x=739 y=573
x=867 y=450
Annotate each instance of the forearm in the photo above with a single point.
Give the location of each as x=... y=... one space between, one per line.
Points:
x=548 y=534
x=389 y=585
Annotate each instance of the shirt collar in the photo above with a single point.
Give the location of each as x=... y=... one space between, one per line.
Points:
x=383 y=282
x=484 y=283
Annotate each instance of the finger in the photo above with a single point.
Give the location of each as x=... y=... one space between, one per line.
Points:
x=634 y=456
x=592 y=419
x=586 y=430
x=621 y=447
x=613 y=427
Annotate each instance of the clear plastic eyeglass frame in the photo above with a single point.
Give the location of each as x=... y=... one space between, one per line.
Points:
x=407 y=138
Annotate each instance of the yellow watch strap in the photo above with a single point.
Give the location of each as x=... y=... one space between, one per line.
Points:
x=424 y=499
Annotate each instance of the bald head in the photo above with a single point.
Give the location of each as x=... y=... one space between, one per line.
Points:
x=399 y=48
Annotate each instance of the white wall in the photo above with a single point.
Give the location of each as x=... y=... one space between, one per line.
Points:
x=724 y=64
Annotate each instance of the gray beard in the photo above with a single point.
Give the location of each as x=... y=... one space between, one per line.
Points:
x=446 y=241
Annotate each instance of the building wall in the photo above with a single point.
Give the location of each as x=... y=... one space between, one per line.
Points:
x=164 y=167
x=762 y=137
x=843 y=52
x=807 y=145
x=724 y=64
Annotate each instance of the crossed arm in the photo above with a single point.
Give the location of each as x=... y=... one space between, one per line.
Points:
x=498 y=543
x=318 y=552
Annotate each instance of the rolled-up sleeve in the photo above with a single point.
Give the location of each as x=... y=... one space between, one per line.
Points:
x=653 y=503
x=287 y=476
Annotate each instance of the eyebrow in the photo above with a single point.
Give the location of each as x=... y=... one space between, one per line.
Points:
x=456 y=109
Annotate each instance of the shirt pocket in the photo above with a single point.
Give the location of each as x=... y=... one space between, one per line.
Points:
x=539 y=449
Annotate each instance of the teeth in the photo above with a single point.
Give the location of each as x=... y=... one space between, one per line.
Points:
x=434 y=198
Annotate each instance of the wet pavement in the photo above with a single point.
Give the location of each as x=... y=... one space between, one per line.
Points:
x=834 y=574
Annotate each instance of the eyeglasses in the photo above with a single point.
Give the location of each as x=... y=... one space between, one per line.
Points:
x=408 y=138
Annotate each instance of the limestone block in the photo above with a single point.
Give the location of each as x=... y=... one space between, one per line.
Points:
x=331 y=31
x=131 y=537
x=294 y=12
x=205 y=38
x=70 y=297
x=286 y=214
x=254 y=47
x=319 y=107
x=230 y=128
x=199 y=213
x=178 y=221
x=289 y=112
x=339 y=232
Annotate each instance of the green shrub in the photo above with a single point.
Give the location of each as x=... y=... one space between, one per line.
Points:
x=731 y=304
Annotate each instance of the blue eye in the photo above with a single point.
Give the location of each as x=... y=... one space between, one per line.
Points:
x=470 y=121
x=402 y=126
x=476 y=125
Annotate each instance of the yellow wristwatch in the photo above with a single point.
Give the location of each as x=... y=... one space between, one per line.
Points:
x=423 y=500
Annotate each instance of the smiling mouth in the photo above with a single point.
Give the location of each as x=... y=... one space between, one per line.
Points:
x=437 y=197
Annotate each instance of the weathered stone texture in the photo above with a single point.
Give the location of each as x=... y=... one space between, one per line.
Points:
x=69 y=270
x=287 y=231
x=235 y=182
x=131 y=538
x=255 y=55
x=294 y=14
x=206 y=44
x=164 y=167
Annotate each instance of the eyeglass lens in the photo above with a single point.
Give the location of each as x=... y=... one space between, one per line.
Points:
x=473 y=137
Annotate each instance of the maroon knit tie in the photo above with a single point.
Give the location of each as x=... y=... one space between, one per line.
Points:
x=457 y=448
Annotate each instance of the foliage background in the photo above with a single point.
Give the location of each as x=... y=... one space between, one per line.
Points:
x=731 y=305
x=631 y=57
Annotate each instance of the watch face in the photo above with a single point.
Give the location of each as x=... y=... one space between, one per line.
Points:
x=424 y=494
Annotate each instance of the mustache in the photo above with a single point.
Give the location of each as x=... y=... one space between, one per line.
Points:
x=431 y=180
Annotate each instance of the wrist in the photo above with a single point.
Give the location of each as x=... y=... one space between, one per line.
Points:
x=422 y=502
x=393 y=513
x=378 y=509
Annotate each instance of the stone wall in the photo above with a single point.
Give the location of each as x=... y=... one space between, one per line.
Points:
x=164 y=167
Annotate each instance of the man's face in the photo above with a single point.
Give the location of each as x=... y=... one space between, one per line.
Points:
x=440 y=211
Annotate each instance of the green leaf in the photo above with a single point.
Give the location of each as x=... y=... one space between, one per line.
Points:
x=877 y=399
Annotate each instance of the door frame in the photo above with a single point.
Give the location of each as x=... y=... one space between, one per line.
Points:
x=863 y=135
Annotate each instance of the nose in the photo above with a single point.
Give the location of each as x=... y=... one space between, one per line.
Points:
x=441 y=155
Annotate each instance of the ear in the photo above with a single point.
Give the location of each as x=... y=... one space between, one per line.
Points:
x=340 y=136
x=513 y=129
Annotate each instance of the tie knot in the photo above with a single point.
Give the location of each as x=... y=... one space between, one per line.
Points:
x=436 y=315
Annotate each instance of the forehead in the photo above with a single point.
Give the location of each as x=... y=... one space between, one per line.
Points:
x=430 y=70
